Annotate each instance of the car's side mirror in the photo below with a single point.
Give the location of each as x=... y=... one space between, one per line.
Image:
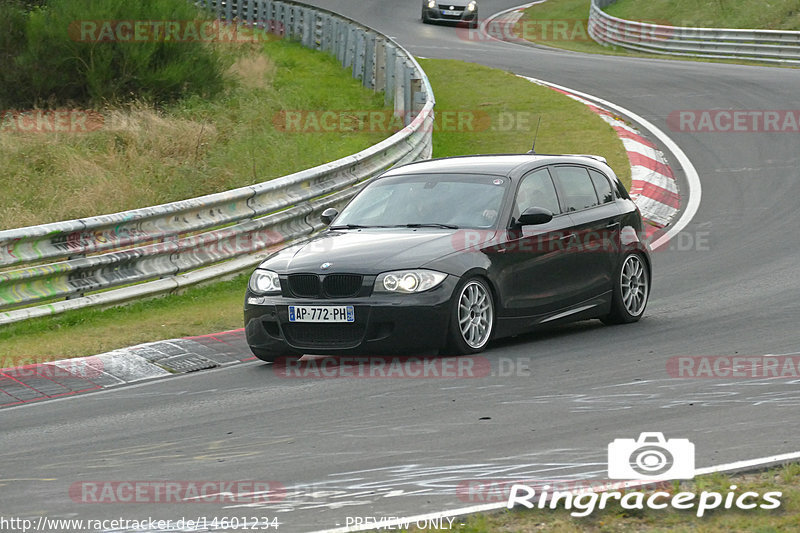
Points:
x=535 y=216
x=328 y=215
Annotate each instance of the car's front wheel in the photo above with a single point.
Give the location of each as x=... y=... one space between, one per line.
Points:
x=631 y=291
x=472 y=317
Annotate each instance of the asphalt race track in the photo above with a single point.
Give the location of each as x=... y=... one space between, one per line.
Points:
x=728 y=285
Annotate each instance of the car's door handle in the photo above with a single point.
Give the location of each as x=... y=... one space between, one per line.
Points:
x=612 y=225
x=567 y=237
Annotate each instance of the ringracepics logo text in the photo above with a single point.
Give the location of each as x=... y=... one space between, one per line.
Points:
x=586 y=502
x=637 y=463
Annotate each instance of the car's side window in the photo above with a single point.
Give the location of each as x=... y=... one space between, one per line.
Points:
x=576 y=188
x=602 y=186
x=537 y=190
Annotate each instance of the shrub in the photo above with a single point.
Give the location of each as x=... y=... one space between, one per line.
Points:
x=53 y=67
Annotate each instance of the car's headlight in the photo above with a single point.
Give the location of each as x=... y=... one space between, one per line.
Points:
x=432 y=4
x=265 y=282
x=472 y=6
x=408 y=281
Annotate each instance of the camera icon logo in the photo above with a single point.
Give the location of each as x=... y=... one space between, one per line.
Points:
x=651 y=457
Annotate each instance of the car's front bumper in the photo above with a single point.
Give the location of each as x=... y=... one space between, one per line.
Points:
x=437 y=15
x=384 y=324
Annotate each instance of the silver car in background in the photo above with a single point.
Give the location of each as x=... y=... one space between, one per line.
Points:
x=459 y=12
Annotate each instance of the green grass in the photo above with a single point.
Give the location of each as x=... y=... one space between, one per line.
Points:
x=752 y=14
x=567 y=127
x=506 y=109
x=616 y=519
x=143 y=156
x=538 y=21
x=208 y=309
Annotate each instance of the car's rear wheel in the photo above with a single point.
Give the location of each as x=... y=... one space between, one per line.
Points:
x=631 y=291
x=472 y=317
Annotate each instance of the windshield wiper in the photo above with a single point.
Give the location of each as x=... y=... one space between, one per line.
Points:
x=350 y=226
x=428 y=225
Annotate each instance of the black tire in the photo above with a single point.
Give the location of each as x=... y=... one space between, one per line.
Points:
x=631 y=290
x=471 y=328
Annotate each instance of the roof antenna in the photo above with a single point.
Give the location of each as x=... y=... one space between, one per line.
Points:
x=533 y=148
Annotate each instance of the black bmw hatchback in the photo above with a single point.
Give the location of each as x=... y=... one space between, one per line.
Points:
x=448 y=254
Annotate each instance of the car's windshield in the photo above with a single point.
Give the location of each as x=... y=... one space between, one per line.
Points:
x=443 y=200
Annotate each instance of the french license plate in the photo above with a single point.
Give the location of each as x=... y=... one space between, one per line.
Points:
x=321 y=313
x=450 y=12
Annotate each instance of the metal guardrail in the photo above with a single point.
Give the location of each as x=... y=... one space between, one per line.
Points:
x=757 y=45
x=111 y=259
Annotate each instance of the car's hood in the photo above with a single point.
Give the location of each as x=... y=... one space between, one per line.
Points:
x=372 y=251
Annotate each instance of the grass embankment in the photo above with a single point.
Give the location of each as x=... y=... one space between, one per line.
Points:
x=144 y=155
x=506 y=110
x=616 y=519
x=563 y=23
x=752 y=14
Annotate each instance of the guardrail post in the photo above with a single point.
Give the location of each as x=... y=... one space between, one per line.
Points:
x=248 y=11
x=341 y=42
x=408 y=93
x=307 y=23
x=358 y=58
x=391 y=63
x=369 y=61
x=297 y=22
x=350 y=52
x=327 y=34
x=400 y=108
x=380 y=65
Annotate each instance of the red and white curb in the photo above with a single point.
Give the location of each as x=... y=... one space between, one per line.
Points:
x=500 y=26
x=35 y=382
x=653 y=185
